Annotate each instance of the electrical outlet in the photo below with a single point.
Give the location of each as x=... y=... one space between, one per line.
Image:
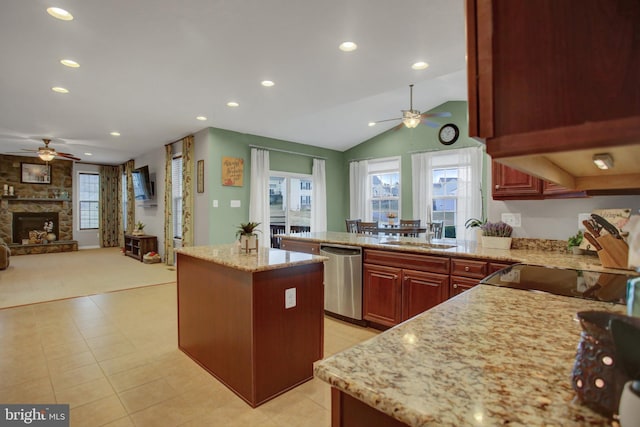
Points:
x=583 y=217
x=215 y=203
x=290 y=298
x=234 y=204
x=513 y=219
x=512 y=276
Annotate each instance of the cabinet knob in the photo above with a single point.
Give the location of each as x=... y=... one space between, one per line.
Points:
x=455 y=286
x=497 y=186
x=466 y=268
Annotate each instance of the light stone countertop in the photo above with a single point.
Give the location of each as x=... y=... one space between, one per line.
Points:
x=465 y=249
x=263 y=259
x=489 y=356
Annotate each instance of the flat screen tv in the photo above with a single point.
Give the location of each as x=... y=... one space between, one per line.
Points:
x=142 y=185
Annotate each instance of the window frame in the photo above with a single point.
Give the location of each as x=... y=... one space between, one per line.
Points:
x=377 y=167
x=81 y=201
x=177 y=219
x=288 y=176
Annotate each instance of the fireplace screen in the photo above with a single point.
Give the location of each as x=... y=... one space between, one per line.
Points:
x=35 y=227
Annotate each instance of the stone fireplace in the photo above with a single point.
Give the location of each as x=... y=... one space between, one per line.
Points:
x=29 y=227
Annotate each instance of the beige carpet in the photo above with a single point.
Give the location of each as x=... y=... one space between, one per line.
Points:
x=48 y=277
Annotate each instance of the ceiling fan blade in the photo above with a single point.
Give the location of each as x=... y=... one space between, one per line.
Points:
x=387 y=120
x=29 y=150
x=68 y=156
x=397 y=127
x=431 y=124
x=443 y=114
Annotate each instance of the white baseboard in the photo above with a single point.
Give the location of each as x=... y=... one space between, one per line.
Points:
x=88 y=247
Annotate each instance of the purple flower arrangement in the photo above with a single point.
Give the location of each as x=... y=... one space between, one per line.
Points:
x=496 y=229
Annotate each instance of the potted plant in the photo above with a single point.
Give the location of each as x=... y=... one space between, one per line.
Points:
x=573 y=243
x=139 y=229
x=477 y=225
x=496 y=235
x=247 y=236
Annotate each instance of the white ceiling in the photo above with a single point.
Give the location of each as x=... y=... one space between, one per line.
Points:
x=149 y=67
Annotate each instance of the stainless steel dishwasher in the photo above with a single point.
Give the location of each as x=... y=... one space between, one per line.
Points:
x=343 y=281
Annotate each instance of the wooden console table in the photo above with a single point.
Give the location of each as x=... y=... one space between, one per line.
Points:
x=137 y=246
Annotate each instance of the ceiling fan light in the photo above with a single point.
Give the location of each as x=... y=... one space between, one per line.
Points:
x=411 y=122
x=46 y=156
x=603 y=161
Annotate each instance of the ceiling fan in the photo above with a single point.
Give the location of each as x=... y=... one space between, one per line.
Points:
x=47 y=154
x=412 y=118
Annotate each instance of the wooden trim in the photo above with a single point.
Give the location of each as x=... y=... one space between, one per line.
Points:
x=472 y=68
x=609 y=182
x=484 y=26
x=610 y=133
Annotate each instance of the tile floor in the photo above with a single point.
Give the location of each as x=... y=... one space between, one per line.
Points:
x=113 y=358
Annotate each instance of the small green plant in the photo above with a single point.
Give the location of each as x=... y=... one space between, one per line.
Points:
x=474 y=222
x=139 y=225
x=496 y=229
x=247 y=229
x=575 y=240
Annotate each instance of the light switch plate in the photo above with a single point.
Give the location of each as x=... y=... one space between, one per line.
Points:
x=513 y=219
x=290 y=298
x=215 y=203
x=235 y=203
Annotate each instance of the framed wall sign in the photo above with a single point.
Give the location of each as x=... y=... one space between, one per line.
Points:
x=200 y=176
x=35 y=173
x=232 y=171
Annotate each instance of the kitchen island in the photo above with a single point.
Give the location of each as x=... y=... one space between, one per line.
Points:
x=254 y=321
x=489 y=356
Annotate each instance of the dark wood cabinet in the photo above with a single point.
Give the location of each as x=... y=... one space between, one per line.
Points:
x=466 y=273
x=382 y=294
x=137 y=246
x=300 y=246
x=399 y=285
x=511 y=184
x=548 y=76
x=459 y=284
x=422 y=291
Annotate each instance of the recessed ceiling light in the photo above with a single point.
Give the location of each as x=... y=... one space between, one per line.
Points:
x=348 y=46
x=232 y=104
x=88 y=154
x=421 y=65
x=201 y=118
x=267 y=83
x=62 y=14
x=114 y=133
x=59 y=89
x=69 y=63
x=372 y=124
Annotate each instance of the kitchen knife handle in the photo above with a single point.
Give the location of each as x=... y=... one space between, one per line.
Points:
x=590 y=228
x=593 y=241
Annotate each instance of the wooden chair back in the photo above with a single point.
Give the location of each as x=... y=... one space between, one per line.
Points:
x=368 y=227
x=436 y=228
x=410 y=223
x=352 y=225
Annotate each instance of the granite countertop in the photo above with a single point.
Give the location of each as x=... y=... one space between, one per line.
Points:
x=541 y=256
x=484 y=357
x=261 y=260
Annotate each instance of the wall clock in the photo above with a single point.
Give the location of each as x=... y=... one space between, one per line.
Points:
x=448 y=134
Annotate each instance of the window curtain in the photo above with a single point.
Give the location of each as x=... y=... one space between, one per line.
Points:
x=110 y=206
x=168 y=206
x=121 y=216
x=187 y=190
x=359 y=191
x=319 y=197
x=131 y=198
x=259 y=210
x=469 y=193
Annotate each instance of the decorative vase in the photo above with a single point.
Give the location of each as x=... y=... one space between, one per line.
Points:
x=392 y=221
x=495 y=242
x=576 y=250
x=479 y=235
x=138 y=232
x=51 y=237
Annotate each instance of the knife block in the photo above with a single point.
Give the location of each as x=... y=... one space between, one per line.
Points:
x=614 y=252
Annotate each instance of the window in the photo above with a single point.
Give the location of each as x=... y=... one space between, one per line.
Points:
x=384 y=185
x=290 y=202
x=88 y=200
x=444 y=195
x=176 y=195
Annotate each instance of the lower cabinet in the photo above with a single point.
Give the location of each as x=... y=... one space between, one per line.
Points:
x=402 y=289
x=466 y=273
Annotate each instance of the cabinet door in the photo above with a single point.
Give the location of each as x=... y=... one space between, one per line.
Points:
x=382 y=294
x=552 y=190
x=509 y=183
x=459 y=284
x=300 y=246
x=421 y=291
x=496 y=266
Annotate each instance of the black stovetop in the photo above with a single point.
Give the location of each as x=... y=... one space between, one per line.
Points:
x=592 y=285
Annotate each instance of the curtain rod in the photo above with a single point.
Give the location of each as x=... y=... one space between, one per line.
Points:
x=288 y=152
x=359 y=160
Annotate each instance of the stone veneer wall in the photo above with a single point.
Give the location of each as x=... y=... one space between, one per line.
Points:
x=61 y=180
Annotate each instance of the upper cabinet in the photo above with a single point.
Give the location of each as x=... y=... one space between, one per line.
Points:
x=511 y=184
x=553 y=82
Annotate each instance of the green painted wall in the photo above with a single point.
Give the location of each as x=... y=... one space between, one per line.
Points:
x=224 y=143
x=403 y=142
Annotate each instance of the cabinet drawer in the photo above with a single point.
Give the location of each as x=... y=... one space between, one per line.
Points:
x=458 y=285
x=495 y=266
x=300 y=246
x=469 y=268
x=432 y=264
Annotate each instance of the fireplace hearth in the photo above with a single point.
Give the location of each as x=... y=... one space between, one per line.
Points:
x=30 y=226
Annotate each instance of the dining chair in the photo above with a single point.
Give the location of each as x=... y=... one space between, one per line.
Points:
x=410 y=223
x=368 y=227
x=352 y=225
x=436 y=228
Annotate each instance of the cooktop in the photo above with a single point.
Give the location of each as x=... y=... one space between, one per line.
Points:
x=592 y=285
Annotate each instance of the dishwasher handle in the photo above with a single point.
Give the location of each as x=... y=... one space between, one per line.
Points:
x=341 y=250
